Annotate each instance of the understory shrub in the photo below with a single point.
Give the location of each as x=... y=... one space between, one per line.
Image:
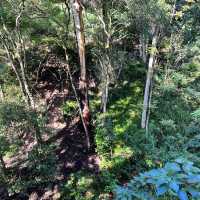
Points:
x=176 y=180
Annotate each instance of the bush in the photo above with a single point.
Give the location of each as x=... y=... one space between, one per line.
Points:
x=177 y=179
x=69 y=107
x=85 y=186
x=78 y=187
x=105 y=137
x=17 y=121
x=18 y=126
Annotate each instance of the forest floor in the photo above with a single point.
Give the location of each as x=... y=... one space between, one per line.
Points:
x=68 y=138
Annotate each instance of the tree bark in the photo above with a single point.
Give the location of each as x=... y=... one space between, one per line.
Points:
x=143 y=48
x=1 y=93
x=25 y=83
x=2 y=164
x=106 y=62
x=148 y=88
x=77 y=12
x=21 y=78
x=16 y=73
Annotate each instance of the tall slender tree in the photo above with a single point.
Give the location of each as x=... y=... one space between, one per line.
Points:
x=14 y=45
x=149 y=80
x=77 y=12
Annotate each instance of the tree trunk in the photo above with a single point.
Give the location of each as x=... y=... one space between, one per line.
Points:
x=104 y=99
x=26 y=86
x=16 y=73
x=147 y=94
x=143 y=48
x=105 y=13
x=149 y=105
x=1 y=93
x=106 y=62
x=23 y=65
x=83 y=88
x=21 y=78
x=2 y=164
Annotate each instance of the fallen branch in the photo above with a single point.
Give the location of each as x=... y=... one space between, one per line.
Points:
x=78 y=102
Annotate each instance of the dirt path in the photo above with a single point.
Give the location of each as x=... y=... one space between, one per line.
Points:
x=69 y=147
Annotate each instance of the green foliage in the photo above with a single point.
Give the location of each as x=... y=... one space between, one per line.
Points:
x=17 y=120
x=125 y=148
x=78 y=187
x=180 y=179
x=39 y=170
x=12 y=92
x=116 y=130
x=104 y=136
x=42 y=162
x=85 y=186
x=196 y=114
x=69 y=108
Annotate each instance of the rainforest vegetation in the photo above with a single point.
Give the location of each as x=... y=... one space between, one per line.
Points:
x=99 y=100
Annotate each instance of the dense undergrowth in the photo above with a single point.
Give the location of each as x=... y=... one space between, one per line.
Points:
x=125 y=149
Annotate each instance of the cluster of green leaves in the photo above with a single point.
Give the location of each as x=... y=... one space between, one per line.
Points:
x=85 y=186
x=78 y=187
x=178 y=179
x=39 y=171
x=17 y=122
x=69 y=107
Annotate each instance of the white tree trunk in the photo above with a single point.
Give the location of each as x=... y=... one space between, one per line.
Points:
x=1 y=93
x=26 y=86
x=16 y=73
x=143 y=48
x=105 y=63
x=147 y=93
x=105 y=66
